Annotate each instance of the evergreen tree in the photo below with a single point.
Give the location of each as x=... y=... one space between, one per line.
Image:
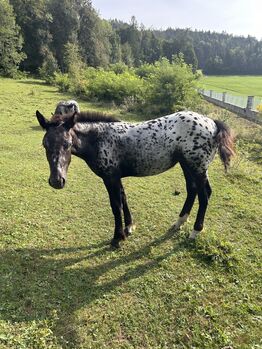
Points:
x=95 y=36
x=64 y=27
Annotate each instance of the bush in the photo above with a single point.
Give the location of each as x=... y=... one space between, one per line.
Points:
x=156 y=89
x=171 y=86
x=48 y=68
x=118 y=68
x=62 y=81
x=145 y=70
x=109 y=86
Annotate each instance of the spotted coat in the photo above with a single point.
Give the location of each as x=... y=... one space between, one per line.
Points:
x=151 y=147
x=115 y=149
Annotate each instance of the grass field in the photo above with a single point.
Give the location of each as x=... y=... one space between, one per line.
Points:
x=61 y=286
x=236 y=85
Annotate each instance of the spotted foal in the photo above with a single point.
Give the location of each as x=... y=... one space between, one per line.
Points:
x=114 y=149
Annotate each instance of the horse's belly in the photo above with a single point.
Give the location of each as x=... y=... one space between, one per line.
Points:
x=153 y=166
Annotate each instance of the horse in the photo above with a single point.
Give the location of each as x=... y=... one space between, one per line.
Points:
x=67 y=107
x=114 y=149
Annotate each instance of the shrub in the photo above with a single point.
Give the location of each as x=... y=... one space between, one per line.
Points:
x=109 y=86
x=171 y=86
x=62 y=81
x=145 y=70
x=118 y=68
x=153 y=89
x=49 y=68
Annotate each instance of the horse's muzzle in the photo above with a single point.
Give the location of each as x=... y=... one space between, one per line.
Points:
x=57 y=183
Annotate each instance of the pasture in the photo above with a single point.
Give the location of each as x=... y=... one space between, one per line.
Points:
x=62 y=286
x=236 y=85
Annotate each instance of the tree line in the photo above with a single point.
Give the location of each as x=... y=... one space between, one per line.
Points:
x=43 y=36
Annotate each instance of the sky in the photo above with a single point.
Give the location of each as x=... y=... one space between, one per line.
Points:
x=237 y=17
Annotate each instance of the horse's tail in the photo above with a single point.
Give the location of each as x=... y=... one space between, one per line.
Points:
x=225 y=140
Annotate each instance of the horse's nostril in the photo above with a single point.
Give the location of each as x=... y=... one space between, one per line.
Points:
x=57 y=183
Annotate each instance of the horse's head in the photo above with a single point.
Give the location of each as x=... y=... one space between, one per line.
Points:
x=67 y=107
x=57 y=142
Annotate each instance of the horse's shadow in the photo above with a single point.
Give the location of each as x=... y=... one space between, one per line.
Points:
x=34 y=282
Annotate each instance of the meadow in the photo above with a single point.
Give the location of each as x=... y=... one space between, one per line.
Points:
x=62 y=286
x=236 y=85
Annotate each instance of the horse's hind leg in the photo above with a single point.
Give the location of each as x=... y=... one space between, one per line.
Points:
x=129 y=226
x=204 y=193
x=191 y=195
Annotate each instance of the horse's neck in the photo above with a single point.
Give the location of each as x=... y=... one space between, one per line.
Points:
x=83 y=129
x=84 y=135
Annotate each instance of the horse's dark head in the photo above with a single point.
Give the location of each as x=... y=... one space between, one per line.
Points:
x=57 y=142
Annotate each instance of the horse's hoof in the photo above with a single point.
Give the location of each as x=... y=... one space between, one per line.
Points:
x=180 y=222
x=194 y=234
x=115 y=243
x=130 y=229
x=176 y=227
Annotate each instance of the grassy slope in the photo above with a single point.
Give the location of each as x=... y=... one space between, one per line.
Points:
x=62 y=287
x=236 y=85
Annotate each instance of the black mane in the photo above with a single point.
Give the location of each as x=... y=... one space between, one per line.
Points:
x=86 y=116
x=92 y=116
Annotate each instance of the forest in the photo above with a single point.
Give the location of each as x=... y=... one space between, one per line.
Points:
x=38 y=37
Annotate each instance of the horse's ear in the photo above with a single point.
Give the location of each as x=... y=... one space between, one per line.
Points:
x=44 y=123
x=70 y=122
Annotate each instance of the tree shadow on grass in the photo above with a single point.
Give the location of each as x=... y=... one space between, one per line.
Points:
x=33 y=82
x=34 y=282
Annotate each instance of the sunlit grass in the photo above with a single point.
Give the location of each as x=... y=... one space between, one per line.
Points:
x=236 y=85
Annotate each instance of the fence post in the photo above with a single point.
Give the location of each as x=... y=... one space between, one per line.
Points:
x=211 y=93
x=250 y=102
x=224 y=97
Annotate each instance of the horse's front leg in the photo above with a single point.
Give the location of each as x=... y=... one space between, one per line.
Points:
x=129 y=225
x=113 y=187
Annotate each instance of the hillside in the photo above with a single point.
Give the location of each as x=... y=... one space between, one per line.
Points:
x=61 y=286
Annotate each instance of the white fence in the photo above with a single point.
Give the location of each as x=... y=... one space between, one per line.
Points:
x=243 y=106
x=250 y=102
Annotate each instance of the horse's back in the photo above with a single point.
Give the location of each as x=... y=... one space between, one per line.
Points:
x=154 y=146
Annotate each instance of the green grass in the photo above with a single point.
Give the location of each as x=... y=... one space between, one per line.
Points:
x=236 y=85
x=61 y=286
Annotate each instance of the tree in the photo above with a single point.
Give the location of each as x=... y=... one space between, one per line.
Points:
x=116 y=53
x=49 y=67
x=150 y=46
x=10 y=41
x=127 y=55
x=95 y=36
x=64 y=27
x=34 y=19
